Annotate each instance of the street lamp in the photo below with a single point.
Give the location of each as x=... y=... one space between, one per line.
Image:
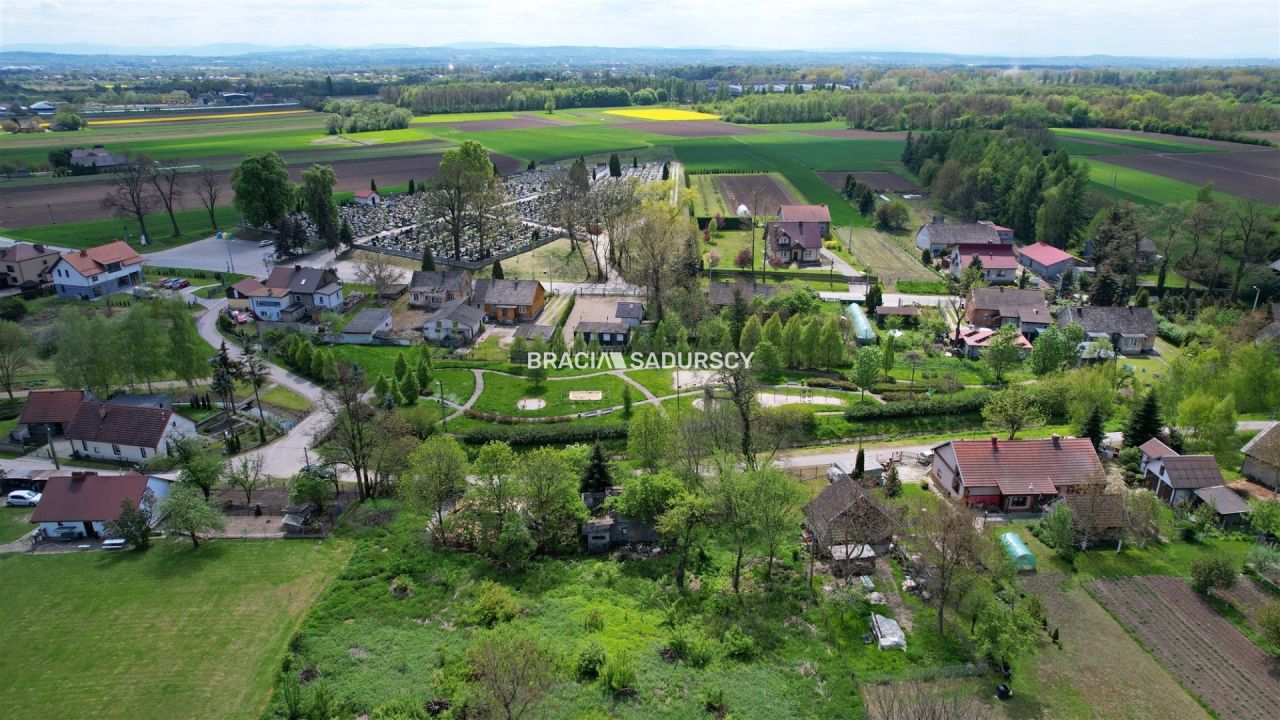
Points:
x=745 y=212
x=1256 y=294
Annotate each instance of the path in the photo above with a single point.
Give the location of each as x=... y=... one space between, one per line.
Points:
x=892 y=595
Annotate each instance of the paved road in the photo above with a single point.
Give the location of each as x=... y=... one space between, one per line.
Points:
x=240 y=256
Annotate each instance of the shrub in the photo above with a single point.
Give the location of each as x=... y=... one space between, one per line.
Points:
x=738 y=645
x=918 y=408
x=1212 y=570
x=713 y=699
x=691 y=646
x=495 y=604
x=591 y=658
x=1269 y=622
x=825 y=382
x=593 y=621
x=404 y=707
x=1264 y=558
x=618 y=675
x=557 y=434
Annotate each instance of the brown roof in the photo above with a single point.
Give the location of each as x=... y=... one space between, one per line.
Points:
x=87 y=497
x=804 y=213
x=721 y=293
x=505 y=292
x=898 y=310
x=1155 y=449
x=1020 y=464
x=839 y=498
x=1000 y=298
x=51 y=406
x=1102 y=511
x=21 y=252
x=1265 y=446
x=1188 y=472
x=119 y=424
x=249 y=287
x=92 y=261
x=1222 y=499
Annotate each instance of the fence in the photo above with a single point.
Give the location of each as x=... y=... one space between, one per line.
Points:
x=549 y=238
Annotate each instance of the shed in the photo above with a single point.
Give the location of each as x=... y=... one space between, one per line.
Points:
x=861 y=326
x=888 y=633
x=1018 y=552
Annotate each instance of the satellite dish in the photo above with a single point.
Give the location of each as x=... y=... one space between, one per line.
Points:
x=743 y=211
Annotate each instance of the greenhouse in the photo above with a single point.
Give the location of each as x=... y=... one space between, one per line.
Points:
x=1018 y=552
x=861 y=326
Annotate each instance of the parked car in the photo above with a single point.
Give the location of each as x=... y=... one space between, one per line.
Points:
x=161 y=283
x=241 y=318
x=925 y=458
x=267 y=243
x=181 y=283
x=319 y=471
x=26 y=498
x=67 y=533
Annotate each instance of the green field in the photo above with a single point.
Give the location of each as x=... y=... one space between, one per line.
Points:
x=167 y=633
x=1141 y=187
x=90 y=233
x=1129 y=141
x=502 y=392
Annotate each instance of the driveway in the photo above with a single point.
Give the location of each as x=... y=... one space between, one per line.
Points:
x=239 y=256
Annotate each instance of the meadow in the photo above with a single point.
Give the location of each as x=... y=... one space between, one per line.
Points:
x=1128 y=141
x=139 y=635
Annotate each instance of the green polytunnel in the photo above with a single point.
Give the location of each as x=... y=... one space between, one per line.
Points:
x=1018 y=552
x=861 y=326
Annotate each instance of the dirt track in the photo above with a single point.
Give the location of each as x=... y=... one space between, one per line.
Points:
x=1252 y=174
x=36 y=205
x=761 y=193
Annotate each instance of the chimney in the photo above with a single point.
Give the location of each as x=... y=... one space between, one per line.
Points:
x=995 y=443
x=83 y=253
x=1057 y=440
x=39 y=247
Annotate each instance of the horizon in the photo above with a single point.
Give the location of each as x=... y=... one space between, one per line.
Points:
x=1120 y=28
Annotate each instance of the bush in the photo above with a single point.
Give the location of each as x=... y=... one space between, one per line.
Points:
x=1264 y=558
x=738 y=645
x=1212 y=570
x=558 y=434
x=619 y=675
x=495 y=604
x=593 y=621
x=919 y=408
x=591 y=658
x=691 y=646
x=713 y=699
x=824 y=382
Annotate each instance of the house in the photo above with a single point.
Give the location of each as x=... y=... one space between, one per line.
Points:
x=1175 y=478
x=367 y=323
x=535 y=332
x=629 y=313
x=721 y=294
x=1262 y=458
x=97 y=272
x=1148 y=255
x=509 y=301
x=87 y=501
x=607 y=334
x=26 y=265
x=792 y=242
x=975 y=339
x=1232 y=509
x=97 y=159
x=845 y=514
x=939 y=235
x=1130 y=330
x=815 y=214
x=1152 y=450
x=910 y=314
x=44 y=107
x=1045 y=260
x=991 y=307
x=432 y=288
x=293 y=293
x=999 y=266
x=29 y=124
x=50 y=412
x=122 y=433
x=1098 y=517
x=609 y=531
x=367 y=197
x=163 y=401
x=1015 y=475
x=240 y=295
x=456 y=323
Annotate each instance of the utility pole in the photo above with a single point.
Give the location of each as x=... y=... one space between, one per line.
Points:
x=53 y=449
x=444 y=421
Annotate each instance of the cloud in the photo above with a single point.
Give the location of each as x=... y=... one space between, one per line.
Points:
x=1181 y=28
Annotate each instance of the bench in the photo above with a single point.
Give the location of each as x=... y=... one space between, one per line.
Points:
x=114 y=544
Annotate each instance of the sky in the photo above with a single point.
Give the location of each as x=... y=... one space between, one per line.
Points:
x=1166 y=28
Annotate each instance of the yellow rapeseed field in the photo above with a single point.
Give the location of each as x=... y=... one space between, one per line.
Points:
x=662 y=114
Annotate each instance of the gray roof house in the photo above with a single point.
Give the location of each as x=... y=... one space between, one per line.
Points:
x=938 y=235
x=455 y=323
x=845 y=514
x=630 y=313
x=1130 y=330
x=433 y=288
x=365 y=325
x=1262 y=458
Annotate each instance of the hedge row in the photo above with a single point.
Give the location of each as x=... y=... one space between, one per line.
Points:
x=918 y=408
x=564 y=434
x=10 y=409
x=823 y=382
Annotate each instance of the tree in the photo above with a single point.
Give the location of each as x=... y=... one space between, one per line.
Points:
x=262 y=189
x=551 y=501
x=226 y=371
x=166 y=181
x=134 y=522
x=1003 y=353
x=949 y=547
x=648 y=435
x=831 y=344
x=1142 y=512
x=779 y=500
x=317 y=198
x=650 y=246
x=886 y=353
x=203 y=471
x=773 y=331
x=743 y=258
x=308 y=487
x=255 y=371
x=511 y=669
x=209 y=189
x=345 y=238
x=768 y=359
x=148 y=343
x=464 y=172
x=437 y=476
x=734 y=495
x=892 y=482
x=131 y=193
x=1051 y=352
x=893 y=215
x=682 y=526
x=378 y=270
x=615 y=166
x=428 y=262
x=1013 y=409
x=1093 y=429
x=186 y=513
x=16 y=347
x=246 y=475
x=95 y=367
x=494 y=492
x=1212 y=570
x=595 y=478
x=1059 y=527
x=750 y=337
x=497 y=272
x=866 y=368
x=875 y=298
x=1144 y=423
x=1211 y=423
x=1268 y=620
x=1264 y=516
x=349 y=432
x=1005 y=633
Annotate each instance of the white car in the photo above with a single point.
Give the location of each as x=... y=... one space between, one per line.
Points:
x=22 y=497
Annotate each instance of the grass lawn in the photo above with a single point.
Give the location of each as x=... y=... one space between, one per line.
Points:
x=14 y=523
x=282 y=396
x=165 y=633
x=556 y=260
x=502 y=392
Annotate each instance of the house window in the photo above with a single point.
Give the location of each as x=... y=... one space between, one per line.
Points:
x=115 y=448
x=1019 y=502
x=955 y=485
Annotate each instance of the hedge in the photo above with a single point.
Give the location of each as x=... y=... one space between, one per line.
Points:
x=918 y=408
x=823 y=382
x=10 y=409
x=545 y=434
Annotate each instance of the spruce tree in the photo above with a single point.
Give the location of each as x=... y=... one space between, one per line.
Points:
x=344 y=234
x=1092 y=428
x=411 y=187
x=373 y=185
x=497 y=271
x=1145 y=422
x=859 y=465
x=409 y=389
x=401 y=367
x=428 y=262
x=596 y=476
x=626 y=401
x=615 y=166
x=423 y=373
x=380 y=387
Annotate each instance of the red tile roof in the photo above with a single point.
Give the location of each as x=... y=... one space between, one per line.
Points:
x=87 y=497
x=365 y=193
x=1154 y=449
x=1025 y=466
x=1045 y=254
x=119 y=424
x=994 y=257
x=804 y=213
x=51 y=406
x=94 y=260
x=981 y=337
x=20 y=252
